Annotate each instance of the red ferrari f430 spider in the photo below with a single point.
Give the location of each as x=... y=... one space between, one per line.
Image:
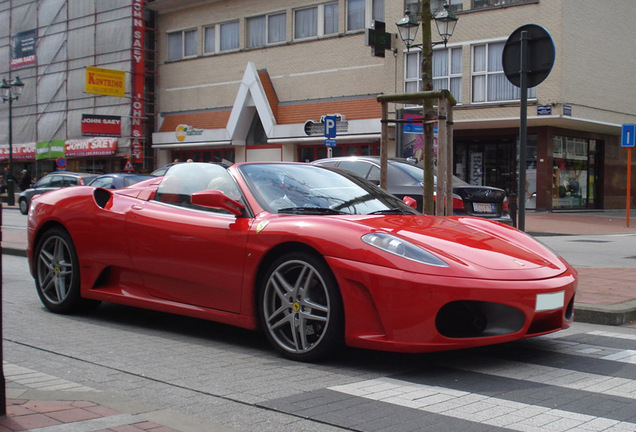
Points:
x=314 y=256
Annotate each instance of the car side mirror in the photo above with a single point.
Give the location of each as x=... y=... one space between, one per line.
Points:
x=410 y=202
x=216 y=199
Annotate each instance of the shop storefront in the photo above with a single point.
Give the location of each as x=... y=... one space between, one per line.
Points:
x=98 y=155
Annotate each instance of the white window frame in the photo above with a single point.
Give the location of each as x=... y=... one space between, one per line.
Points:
x=416 y=77
x=182 y=53
x=218 y=34
x=488 y=76
x=320 y=21
x=369 y=15
x=266 y=35
x=216 y=28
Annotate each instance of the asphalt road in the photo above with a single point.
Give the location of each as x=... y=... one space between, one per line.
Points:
x=580 y=379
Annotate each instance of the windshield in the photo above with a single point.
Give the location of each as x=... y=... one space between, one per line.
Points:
x=288 y=188
x=418 y=174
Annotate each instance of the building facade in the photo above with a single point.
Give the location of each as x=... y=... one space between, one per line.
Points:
x=87 y=102
x=243 y=80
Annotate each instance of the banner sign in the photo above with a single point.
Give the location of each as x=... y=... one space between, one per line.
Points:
x=23 y=49
x=101 y=125
x=49 y=149
x=19 y=151
x=107 y=82
x=91 y=147
x=57 y=149
x=137 y=83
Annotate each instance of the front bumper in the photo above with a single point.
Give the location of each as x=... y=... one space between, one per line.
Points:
x=397 y=310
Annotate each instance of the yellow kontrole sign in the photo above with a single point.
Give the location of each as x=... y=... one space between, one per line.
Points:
x=108 y=82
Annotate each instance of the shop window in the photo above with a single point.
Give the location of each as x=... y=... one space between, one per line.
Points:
x=489 y=83
x=266 y=29
x=447 y=71
x=312 y=153
x=570 y=188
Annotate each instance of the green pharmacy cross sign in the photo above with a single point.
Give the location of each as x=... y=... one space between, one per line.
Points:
x=378 y=39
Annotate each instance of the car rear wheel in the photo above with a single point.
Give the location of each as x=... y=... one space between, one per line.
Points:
x=24 y=206
x=57 y=277
x=300 y=307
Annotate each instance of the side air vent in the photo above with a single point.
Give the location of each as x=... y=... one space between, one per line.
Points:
x=102 y=196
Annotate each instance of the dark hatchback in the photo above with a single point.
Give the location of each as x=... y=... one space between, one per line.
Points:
x=52 y=181
x=406 y=179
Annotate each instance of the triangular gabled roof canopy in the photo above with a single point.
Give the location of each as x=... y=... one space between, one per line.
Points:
x=251 y=99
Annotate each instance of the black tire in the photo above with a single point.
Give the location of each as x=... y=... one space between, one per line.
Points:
x=300 y=307
x=24 y=206
x=57 y=274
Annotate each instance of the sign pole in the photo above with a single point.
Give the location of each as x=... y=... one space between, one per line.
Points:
x=523 y=132
x=628 y=142
x=629 y=184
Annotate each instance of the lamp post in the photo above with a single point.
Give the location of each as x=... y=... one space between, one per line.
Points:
x=445 y=21
x=11 y=92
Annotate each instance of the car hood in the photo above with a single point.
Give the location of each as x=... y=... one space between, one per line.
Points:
x=474 y=247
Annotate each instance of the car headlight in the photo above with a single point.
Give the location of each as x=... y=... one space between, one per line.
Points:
x=397 y=246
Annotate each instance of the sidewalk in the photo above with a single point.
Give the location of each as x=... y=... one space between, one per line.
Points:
x=43 y=403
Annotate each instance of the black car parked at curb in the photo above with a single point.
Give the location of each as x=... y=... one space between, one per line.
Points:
x=406 y=179
x=52 y=181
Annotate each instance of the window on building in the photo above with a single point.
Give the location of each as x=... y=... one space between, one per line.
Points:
x=489 y=83
x=331 y=18
x=483 y=4
x=415 y=6
x=361 y=13
x=209 y=39
x=447 y=71
x=316 y=21
x=306 y=23
x=229 y=36
x=266 y=29
x=182 y=44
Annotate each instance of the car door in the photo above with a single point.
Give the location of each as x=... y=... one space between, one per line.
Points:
x=189 y=255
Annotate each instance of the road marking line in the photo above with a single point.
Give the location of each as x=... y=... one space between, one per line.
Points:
x=477 y=408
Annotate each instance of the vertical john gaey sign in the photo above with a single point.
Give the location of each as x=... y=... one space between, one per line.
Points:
x=137 y=114
x=23 y=49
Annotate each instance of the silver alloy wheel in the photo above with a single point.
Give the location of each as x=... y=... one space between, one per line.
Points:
x=55 y=269
x=296 y=306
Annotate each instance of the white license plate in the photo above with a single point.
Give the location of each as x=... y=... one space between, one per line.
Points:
x=550 y=301
x=484 y=207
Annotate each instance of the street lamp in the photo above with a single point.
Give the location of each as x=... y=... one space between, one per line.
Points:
x=11 y=92
x=445 y=21
x=407 y=28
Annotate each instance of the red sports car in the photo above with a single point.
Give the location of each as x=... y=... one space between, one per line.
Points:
x=314 y=256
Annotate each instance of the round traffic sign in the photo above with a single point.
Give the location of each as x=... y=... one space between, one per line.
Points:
x=539 y=56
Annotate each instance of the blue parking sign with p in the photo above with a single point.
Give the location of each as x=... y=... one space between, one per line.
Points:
x=330 y=126
x=628 y=140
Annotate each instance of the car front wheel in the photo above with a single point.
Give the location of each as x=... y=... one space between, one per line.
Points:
x=300 y=307
x=57 y=276
x=24 y=206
